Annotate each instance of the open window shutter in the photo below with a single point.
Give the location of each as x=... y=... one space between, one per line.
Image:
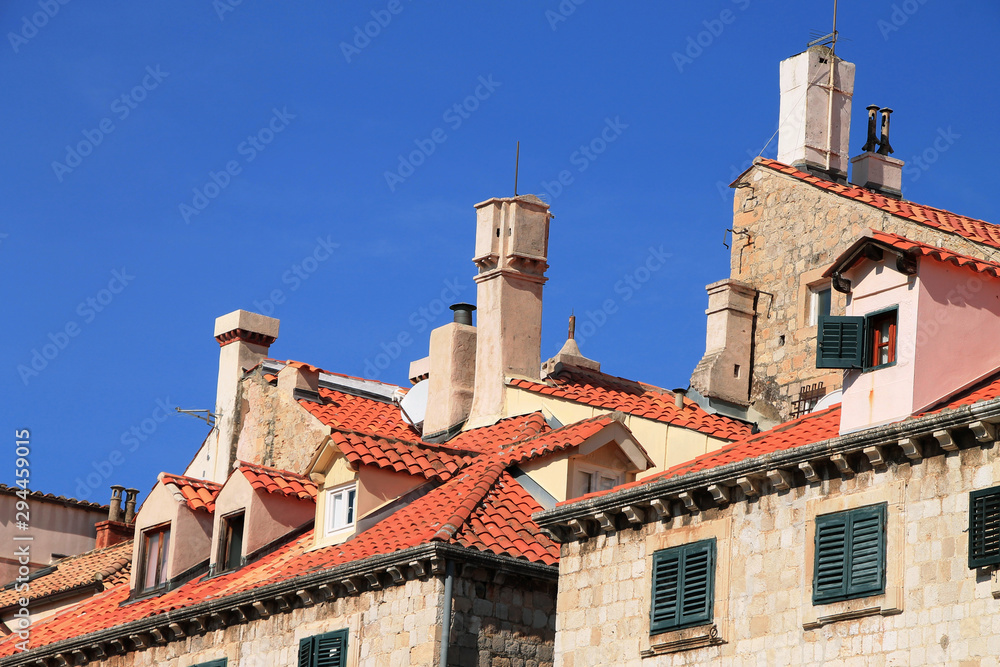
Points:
x=330 y=649
x=866 y=567
x=840 y=342
x=697 y=576
x=666 y=581
x=829 y=575
x=984 y=527
x=305 y=652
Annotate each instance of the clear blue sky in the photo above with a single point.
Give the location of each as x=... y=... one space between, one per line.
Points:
x=213 y=152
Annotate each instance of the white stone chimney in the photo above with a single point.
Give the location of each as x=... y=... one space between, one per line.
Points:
x=512 y=238
x=451 y=374
x=244 y=339
x=815 y=116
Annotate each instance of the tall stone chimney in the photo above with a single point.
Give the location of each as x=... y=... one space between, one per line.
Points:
x=512 y=238
x=244 y=339
x=815 y=113
x=452 y=374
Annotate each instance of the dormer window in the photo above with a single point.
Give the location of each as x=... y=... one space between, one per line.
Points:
x=155 y=548
x=881 y=331
x=592 y=479
x=865 y=343
x=231 y=544
x=340 y=506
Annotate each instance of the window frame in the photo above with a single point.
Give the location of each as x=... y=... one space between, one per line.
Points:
x=833 y=330
x=872 y=345
x=225 y=554
x=682 y=553
x=989 y=554
x=309 y=648
x=331 y=525
x=160 y=578
x=814 y=292
x=849 y=590
x=615 y=476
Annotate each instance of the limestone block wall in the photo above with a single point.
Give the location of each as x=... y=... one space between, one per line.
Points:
x=502 y=623
x=935 y=609
x=786 y=233
x=398 y=625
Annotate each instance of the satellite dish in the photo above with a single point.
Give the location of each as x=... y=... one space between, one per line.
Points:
x=413 y=406
x=832 y=398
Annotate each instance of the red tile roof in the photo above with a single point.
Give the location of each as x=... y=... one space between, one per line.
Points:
x=922 y=249
x=979 y=231
x=199 y=494
x=95 y=571
x=364 y=415
x=642 y=400
x=415 y=458
x=278 y=482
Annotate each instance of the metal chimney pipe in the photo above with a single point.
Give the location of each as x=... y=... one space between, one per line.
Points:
x=463 y=313
x=679 y=398
x=872 y=142
x=115 y=510
x=130 y=495
x=885 y=148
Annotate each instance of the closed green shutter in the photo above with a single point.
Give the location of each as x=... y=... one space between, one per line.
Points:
x=327 y=650
x=984 y=527
x=850 y=554
x=214 y=663
x=840 y=342
x=683 y=587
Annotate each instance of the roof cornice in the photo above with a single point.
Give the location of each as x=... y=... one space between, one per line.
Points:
x=650 y=502
x=371 y=573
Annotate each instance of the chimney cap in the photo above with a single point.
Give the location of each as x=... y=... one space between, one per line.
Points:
x=245 y=321
x=463 y=312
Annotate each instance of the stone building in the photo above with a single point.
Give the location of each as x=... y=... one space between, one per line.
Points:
x=866 y=532
x=337 y=521
x=791 y=218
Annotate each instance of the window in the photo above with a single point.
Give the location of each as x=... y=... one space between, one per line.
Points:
x=850 y=554
x=231 y=544
x=867 y=342
x=984 y=527
x=155 y=549
x=683 y=586
x=340 y=508
x=327 y=650
x=214 y=663
x=592 y=479
x=819 y=303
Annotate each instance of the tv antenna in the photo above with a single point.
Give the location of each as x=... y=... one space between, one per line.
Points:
x=829 y=39
x=204 y=415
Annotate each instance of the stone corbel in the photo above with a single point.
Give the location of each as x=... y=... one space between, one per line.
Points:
x=689 y=502
x=810 y=472
x=606 y=521
x=158 y=635
x=307 y=597
x=749 y=485
x=261 y=609
x=720 y=494
x=326 y=591
x=984 y=431
x=397 y=575
x=840 y=283
x=912 y=448
x=876 y=456
x=178 y=630
x=945 y=440
x=418 y=568
x=635 y=515
x=780 y=479
x=662 y=508
x=843 y=466
x=579 y=528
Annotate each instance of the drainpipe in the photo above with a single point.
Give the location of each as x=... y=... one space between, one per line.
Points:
x=449 y=585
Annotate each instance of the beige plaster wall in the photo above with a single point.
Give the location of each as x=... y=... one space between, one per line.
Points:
x=190 y=532
x=935 y=610
x=54 y=529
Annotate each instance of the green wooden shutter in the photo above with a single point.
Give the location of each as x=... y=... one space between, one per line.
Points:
x=697 y=589
x=840 y=342
x=984 y=527
x=829 y=578
x=305 y=652
x=666 y=588
x=214 y=663
x=850 y=554
x=683 y=588
x=866 y=567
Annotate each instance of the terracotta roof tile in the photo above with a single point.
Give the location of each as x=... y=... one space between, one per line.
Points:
x=979 y=231
x=199 y=494
x=939 y=254
x=614 y=393
x=357 y=413
x=278 y=482
x=79 y=572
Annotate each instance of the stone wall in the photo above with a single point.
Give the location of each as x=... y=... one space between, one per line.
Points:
x=786 y=233
x=502 y=623
x=935 y=610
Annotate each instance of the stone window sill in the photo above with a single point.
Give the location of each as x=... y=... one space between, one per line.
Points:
x=683 y=640
x=849 y=610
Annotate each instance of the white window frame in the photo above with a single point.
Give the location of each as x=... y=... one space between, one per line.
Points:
x=813 y=306
x=338 y=521
x=615 y=476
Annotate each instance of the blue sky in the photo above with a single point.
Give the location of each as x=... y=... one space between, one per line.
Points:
x=164 y=165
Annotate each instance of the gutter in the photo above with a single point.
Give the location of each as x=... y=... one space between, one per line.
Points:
x=312 y=588
x=888 y=434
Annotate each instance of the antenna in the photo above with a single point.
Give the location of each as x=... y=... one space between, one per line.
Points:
x=517 y=161
x=204 y=415
x=830 y=37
